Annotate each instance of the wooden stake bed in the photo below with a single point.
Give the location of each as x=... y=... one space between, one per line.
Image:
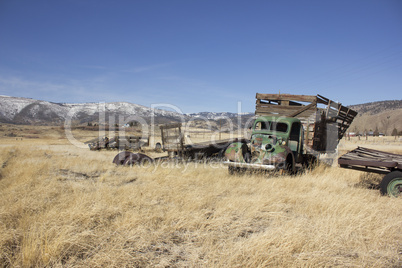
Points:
x=325 y=122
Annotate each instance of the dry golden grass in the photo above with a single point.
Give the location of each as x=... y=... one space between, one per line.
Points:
x=388 y=144
x=65 y=206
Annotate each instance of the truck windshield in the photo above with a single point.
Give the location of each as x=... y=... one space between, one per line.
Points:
x=272 y=126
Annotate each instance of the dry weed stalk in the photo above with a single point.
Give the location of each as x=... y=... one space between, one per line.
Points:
x=63 y=206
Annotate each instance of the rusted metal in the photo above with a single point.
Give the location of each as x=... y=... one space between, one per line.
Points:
x=118 y=142
x=121 y=157
x=324 y=126
x=370 y=160
x=128 y=159
x=173 y=141
x=138 y=159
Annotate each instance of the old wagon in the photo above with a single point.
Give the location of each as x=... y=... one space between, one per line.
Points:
x=173 y=143
x=379 y=162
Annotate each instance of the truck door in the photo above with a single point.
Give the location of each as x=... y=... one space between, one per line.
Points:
x=294 y=139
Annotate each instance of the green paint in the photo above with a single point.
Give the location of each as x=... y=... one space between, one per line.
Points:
x=269 y=141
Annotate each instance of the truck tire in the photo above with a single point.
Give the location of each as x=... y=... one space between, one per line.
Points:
x=289 y=165
x=391 y=184
x=221 y=153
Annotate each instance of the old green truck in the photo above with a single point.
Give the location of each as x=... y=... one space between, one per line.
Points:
x=289 y=132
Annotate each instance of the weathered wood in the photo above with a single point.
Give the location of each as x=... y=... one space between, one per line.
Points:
x=286 y=97
x=271 y=107
x=305 y=108
x=326 y=123
x=172 y=137
x=370 y=160
x=168 y=126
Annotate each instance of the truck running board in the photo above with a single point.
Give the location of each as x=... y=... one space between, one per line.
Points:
x=248 y=165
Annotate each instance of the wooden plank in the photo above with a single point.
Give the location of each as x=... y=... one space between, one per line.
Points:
x=268 y=107
x=286 y=97
x=305 y=108
x=306 y=115
x=168 y=126
x=369 y=155
x=335 y=121
x=322 y=100
x=277 y=102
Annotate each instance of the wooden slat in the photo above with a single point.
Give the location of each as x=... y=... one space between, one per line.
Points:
x=306 y=114
x=268 y=107
x=286 y=97
x=168 y=126
x=277 y=108
x=333 y=120
x=368 y=158
x=305 y=108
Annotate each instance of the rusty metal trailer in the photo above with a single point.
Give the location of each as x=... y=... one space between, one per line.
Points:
x=118 y=142
x=369 y=160
x=173 y=143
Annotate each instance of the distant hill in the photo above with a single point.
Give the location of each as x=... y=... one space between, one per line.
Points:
x=377 y=107
x=30 y=111
x=16 y=110
x=384 y=115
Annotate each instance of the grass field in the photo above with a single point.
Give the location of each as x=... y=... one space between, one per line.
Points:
x=65 y=206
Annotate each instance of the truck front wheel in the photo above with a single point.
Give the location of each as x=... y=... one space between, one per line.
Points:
x=391 y=184
x=289 y=165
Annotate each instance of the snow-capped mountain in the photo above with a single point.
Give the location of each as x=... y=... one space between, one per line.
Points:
x=31 y=111
x=217 y=116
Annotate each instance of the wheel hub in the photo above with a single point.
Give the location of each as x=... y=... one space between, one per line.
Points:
x=395 y=187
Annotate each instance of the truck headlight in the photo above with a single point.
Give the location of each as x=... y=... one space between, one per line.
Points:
x=269 y=147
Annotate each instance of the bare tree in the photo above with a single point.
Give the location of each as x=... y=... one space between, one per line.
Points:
x=385 y=124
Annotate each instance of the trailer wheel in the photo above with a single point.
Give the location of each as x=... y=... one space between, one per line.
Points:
x=138 y=159
x=391 y=184
x=120 y=158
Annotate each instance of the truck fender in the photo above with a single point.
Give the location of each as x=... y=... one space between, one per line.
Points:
x=285 y=159
x=237 y=152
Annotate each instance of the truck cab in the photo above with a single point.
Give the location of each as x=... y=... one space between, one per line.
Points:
x=276 y=143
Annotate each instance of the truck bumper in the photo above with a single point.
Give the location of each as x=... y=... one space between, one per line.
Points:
x=248 y=165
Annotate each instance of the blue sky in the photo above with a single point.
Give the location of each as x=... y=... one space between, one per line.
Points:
x=200 y=55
